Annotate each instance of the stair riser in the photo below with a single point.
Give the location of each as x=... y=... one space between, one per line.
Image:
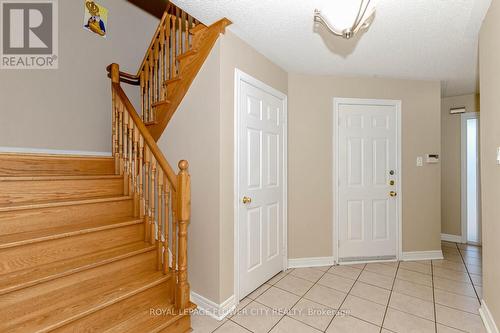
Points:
x=33 y=255
x=40 y=218
x=21 y=165
x=20 y=191
x=110 y=320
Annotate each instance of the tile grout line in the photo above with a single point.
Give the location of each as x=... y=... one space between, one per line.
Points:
x=434 y=297
x=468 y=273
x=301 y=297
x=389 y=300
x=343 y=301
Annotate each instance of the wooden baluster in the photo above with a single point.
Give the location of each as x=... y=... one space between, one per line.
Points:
x=143 y=106
x=156 y=71
x=130 y=155
x=162 y=61
x=159 y=229
x=184 y=215
x=152 y=87
x=136 y=172
x=147 y=100
x=141 y=177
x=173 y=47
x=166 y=196
x=125 y=153
x=120 y=135
x=147 y=155
x=184 y=34
x=168 y=45
x=190 y=26
x=174 y=230
x=152 y=200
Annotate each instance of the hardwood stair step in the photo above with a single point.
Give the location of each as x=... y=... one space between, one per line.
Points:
x=197 y=29
x=25 y=217
x=160 y=103
x=29 y=277
x=42 y=188
x=45 y=164
x=187 y=54
x=36 y=236
x=31 y=255
x=133 y=315
x=47 y=306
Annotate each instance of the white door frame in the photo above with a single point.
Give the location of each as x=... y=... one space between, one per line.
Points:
x=240 y=76
x=463 y=173
x=385 y=102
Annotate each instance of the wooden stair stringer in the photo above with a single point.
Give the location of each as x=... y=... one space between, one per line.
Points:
x=189 y=68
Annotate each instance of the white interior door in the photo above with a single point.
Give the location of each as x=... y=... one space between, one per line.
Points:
x=368 y=179
x=261 y=164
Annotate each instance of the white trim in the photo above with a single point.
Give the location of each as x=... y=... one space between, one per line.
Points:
x=488 y=321
x=214 y=310
x=452 y=238
x=22 y=150
x=463 y=174
x=422 y=255
x=311 y=262
x=399 y=185
x=240 y=76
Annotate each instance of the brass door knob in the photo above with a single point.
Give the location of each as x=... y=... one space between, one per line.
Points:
x=392 y=194
x=247 y=200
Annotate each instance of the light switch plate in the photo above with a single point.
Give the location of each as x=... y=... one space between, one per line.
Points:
x=420 y=161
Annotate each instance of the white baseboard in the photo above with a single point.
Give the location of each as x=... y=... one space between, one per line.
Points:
x=214 y=310
x=22 y=150
x=422 y=255
x=451 y=238
x=489 y=322
x=310 y=262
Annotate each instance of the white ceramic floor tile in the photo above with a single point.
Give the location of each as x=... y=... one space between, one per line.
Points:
x=416 y=266
x=451 y=274
x=326 y=296
x=371 y=293
x=413 y=289
x=415 y=277
x=375 y=279
x=276 y=278
x=456 y=287
x=295 y=285
x=461 y=320
x=278 y=299
x=309 y=274
x=381 y=269
x=345 y=271
x=202 y=323
x=312 y=314
x=349 y=324
x=289 y=325
x=401 y=322
x=459 y=302
x=364 y=309
x=412 y=305
x=257 y=318
x=230 y=327
x=336 y=282
x=257 y=292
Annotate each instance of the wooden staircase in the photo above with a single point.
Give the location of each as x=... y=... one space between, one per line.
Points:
x=99 y=244
x=179 y=47
x=74 y=252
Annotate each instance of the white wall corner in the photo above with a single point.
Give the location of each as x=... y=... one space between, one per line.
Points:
x=212 y=309
x=489 y=322
x=310 y=262
x=451 y=238
x=422 y=255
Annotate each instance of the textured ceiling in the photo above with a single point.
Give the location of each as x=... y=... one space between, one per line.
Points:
x=411 y=39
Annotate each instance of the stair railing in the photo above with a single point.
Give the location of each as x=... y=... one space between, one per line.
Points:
x=160 y=65
x=161 y=197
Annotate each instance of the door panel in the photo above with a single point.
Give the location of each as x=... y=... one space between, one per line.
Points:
x=367 y=153
x=261 y=163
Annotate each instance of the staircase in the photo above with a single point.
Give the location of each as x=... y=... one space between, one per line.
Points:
x=99 y=244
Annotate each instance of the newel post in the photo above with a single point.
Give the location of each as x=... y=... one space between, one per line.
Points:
x=183 y=215
x=115 y=78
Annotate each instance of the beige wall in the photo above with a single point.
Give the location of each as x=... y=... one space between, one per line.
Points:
x=236 y=54
x=193 y=135
x=451 y=161
x=310 y=193
x=69 y=108
x=489 y=69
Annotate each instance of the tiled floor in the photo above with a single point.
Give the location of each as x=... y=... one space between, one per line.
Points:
x=440 y=296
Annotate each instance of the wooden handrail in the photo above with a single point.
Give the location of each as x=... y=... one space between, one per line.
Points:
x=150 y=142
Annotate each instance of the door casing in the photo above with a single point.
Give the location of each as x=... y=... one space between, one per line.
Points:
x=240 y=76
x=337 y=101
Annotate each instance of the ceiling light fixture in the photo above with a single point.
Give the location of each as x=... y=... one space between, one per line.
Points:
x=363 y=20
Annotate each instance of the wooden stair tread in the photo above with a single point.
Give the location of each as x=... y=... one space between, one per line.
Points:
x=35 y=236
x=187 y=54
x=56 y=177
x=131 y=315
x=197 y=29
x=60 y=202
x=44 y=307
x=163 y=102
x=28 y=277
